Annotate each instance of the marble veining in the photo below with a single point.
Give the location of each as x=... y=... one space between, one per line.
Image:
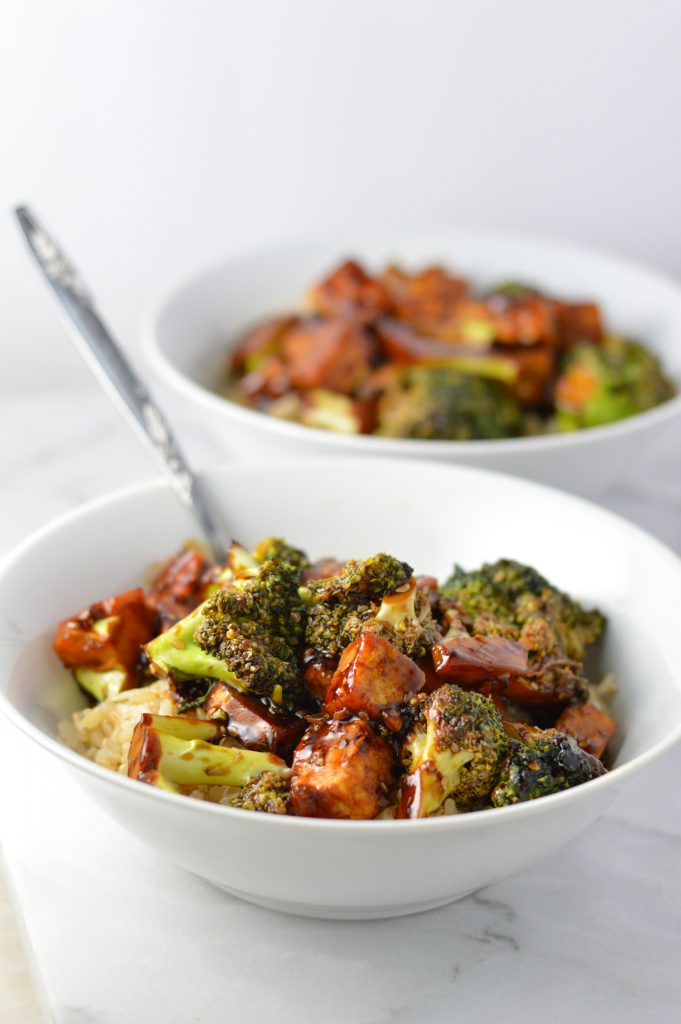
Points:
x=590 y=933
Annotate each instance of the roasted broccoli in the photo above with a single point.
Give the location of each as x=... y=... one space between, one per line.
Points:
x=509 y=599
x=607 y=382
x=339 y=606
x=277 y=547
x=241 y=560
x=454 y=748
x=268 y=792
x=540 y=762
x=406 y=620
x=437 y=403
x=172 y=752
x=248 y=634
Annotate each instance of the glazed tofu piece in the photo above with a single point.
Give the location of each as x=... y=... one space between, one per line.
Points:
x=527 y=320
x=261 y=342
x=248 y=720
x=333 y=354
x=342 y=769
x=318 y=671
x=469 y=660
x=535 y=368
x=180 y=586
x=373 y=677
x=102 y=644
x=351 y=293
x=427 y=297
x=579 y=322
x=590 y=727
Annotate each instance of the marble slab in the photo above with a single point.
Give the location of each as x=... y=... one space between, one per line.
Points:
x=117 y=934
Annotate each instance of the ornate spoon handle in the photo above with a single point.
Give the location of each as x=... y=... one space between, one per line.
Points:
x=110 y=366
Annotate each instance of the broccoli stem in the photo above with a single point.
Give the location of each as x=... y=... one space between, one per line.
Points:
x=174 y=653
x=176 y=750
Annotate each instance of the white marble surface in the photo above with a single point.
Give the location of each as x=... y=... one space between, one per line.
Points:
x=118 y=935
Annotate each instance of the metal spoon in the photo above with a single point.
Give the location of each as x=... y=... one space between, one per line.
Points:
x=105 y=358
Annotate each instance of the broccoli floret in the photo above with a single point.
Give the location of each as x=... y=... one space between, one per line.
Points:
x=539 y=762
x=341 y=605
x=454 y=748
x=240 y=560
x=607 y=382
x=514 y=600
x=277 y=547
x=248 y=634
x=169 y=752
x=367 y=580
x=405 y=619
x=439 y=403
x=268 y=792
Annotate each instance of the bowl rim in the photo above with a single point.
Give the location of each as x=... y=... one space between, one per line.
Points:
x=488 y=816
x=227 y=408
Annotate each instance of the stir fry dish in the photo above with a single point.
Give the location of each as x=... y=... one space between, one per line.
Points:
x=340 y=689
x=422 y=356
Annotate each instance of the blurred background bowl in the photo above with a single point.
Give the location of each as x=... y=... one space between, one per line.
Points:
x=430 y=515
x=188 y=337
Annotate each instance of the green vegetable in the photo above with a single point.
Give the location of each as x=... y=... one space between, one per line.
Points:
x=540 y=762
x=339 y=606
x=406 y=620
x=603 y=383
x=102 y=684
x=268 y=792
x=454 y=748
x=248 y=634
x=241 y=560
x=430 y=402
x=513 y=291
x=277 y=547
x=510 y=599
x=169 y=752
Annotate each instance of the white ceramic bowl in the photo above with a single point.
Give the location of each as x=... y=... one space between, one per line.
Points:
x=430 y=515
x=187 y=337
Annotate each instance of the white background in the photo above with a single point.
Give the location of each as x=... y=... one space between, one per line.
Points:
x=156 y=135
